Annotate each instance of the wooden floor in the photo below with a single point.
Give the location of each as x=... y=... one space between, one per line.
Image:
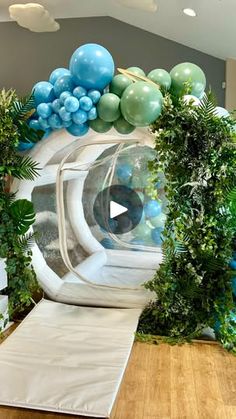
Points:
x=195 y=381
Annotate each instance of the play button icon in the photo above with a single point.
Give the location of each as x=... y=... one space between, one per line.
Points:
x=118 y=209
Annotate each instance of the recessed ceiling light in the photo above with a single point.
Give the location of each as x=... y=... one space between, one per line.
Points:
x=190 y=12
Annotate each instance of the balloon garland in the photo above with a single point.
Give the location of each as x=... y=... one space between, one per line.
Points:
x=88 y=94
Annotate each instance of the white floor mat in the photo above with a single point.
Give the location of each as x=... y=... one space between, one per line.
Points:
x=67 y=359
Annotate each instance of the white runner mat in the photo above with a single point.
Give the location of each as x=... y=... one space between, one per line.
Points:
x=67 y=359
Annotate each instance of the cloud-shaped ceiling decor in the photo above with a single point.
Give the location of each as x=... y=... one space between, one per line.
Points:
x=146 y=5
x=34 y=17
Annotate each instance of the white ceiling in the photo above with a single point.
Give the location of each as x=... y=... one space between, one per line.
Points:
x=213 y=30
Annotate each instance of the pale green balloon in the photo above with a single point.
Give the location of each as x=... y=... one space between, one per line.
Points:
x=137 y=71
x=142 y=231
x=159 y=221
x=161 y=77
x=109 y=107
x=123 y=127
x=119 y=84
x=141 y=104
x=99 y=125
x=188 y=73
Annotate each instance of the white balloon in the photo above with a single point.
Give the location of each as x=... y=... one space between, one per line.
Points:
x=193 y=99
x=221 y=112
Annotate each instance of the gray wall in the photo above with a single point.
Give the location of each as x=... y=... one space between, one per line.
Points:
x=27 y=57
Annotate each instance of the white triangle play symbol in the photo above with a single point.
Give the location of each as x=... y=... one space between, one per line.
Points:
x=116 y=209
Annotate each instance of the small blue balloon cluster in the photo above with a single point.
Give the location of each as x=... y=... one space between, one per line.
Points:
x=69 y=98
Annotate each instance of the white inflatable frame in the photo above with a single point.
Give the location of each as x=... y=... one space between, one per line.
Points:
x=109 y=278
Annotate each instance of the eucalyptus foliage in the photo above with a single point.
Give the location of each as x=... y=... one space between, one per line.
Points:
x=197 y=153
x=16 y=216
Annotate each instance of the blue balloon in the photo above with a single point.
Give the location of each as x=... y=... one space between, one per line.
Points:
x=67 y=124
x=152 y=208
x=85 y=103
x=64 y=115
x=47 y=133
x=232 y=264
x=107 y=243
x=56 y=105
x=92 y=114
x=44 y=110
x=78 y=130
x=64 y=84
x=79 y=117
x=79 y=92
x=55 y=121
x=34 y=124
x=124 y=172
x=94 y=95
x=43 y=123
x=234 y=285
x=25 y=146
x=71 y=104
x=43 y=92
x=156 y=235
x=64 y=96
x=92 y=66
x=57 y=73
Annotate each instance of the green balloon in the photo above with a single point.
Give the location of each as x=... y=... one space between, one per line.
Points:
x=109 y=107
x=119 y=84
x=188 y=73
x=159 y=221
x=161 y=77
x=99 y=125
x=123 y=127
x=142 y=231
x=141 y=104
x=137 y=71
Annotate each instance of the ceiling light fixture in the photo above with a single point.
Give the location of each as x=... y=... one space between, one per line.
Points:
x=190 y=12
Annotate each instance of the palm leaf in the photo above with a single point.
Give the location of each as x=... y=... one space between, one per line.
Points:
x=22 y=109
x=207 y=106
x=22 y=212
x=26 y=241
x=25 y=168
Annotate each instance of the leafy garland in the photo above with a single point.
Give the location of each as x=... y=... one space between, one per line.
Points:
x=16 y=216
x=197 y=152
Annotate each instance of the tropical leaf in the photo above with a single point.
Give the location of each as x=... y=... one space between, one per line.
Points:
x=22 y=109
x=28 y=134
x=26 y=241
x=207 y=106
x=22 y=212
x=25 y=168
